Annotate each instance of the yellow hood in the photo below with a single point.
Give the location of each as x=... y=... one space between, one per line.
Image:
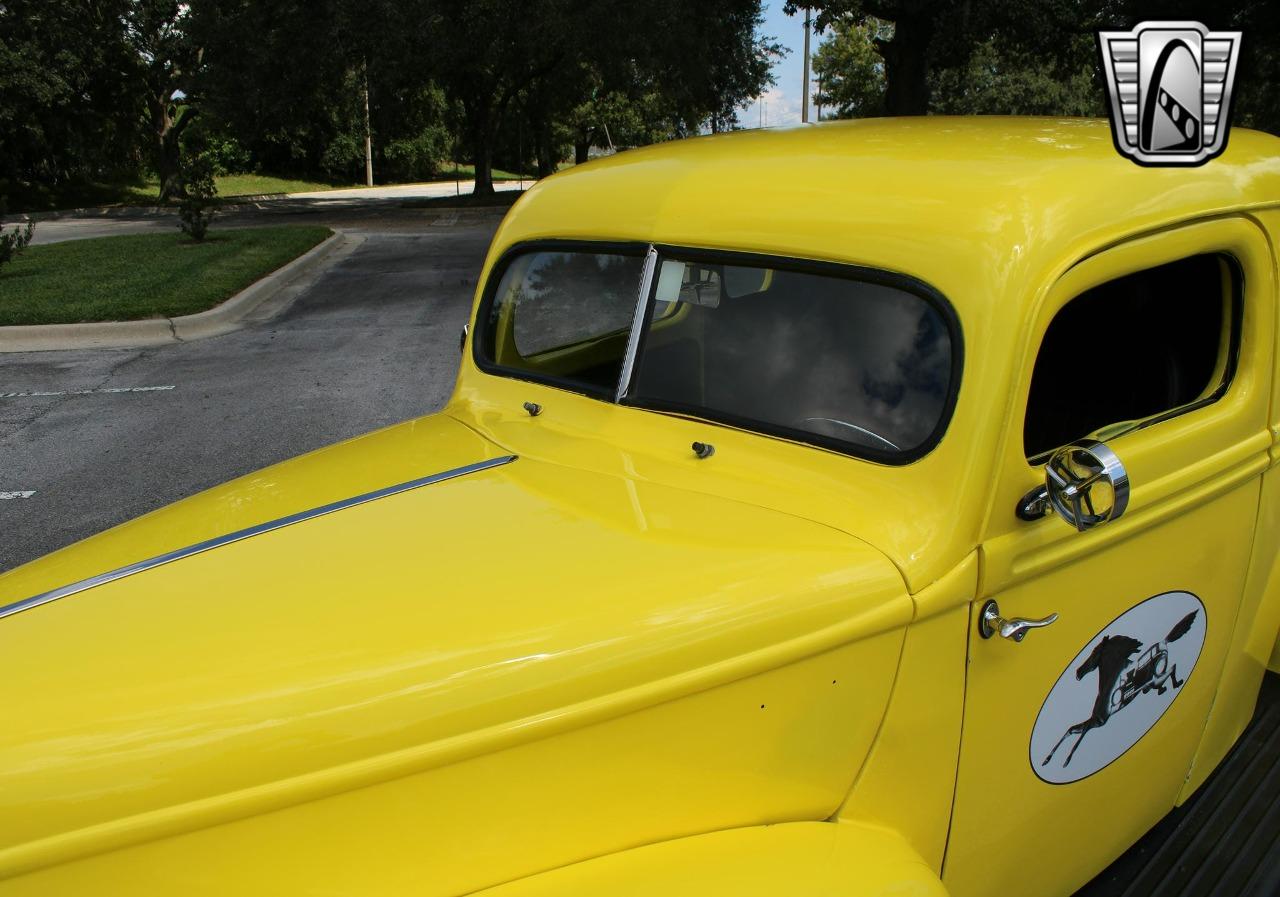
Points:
x=478 y=601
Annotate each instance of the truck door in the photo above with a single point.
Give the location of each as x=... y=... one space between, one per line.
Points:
x=1107 y=621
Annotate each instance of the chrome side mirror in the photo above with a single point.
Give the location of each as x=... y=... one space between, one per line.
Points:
x=1085 y=484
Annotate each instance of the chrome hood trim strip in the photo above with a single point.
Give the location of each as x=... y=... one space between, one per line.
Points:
x=120 y=572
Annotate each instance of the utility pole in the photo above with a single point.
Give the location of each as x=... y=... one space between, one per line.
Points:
x=804 y=94
x=368 y=136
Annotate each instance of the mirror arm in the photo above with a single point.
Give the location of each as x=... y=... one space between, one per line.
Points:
x=1035 y=504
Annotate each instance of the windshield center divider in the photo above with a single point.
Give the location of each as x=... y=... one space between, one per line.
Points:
x=637 y=322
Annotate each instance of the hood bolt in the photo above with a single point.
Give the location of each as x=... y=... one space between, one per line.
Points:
x=704 y=449
x=533 y=408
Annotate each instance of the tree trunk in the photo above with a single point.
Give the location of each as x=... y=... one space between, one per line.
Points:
x=906 y=66
x=167 y=157
x=167 y=125
x=544 y=148
x=483 y=143
x=581 y=150
x=481 y=125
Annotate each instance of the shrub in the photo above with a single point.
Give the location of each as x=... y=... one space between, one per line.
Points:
x=343 y=157
x=196 y=209
x=416 y=158
x=15 y=239
x=228 y=155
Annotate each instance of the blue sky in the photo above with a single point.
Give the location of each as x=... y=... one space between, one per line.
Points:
x=782 y=102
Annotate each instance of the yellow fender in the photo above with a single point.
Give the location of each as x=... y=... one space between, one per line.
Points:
x=797 y=859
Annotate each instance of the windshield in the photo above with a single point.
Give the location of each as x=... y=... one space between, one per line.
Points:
x=848 y=358
x=564 y=315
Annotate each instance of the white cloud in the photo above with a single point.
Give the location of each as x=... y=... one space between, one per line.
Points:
x=775 y=108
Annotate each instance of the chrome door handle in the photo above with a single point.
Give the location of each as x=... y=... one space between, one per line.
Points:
x=991 y=623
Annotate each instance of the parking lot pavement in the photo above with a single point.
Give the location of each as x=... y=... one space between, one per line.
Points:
x=91 y=438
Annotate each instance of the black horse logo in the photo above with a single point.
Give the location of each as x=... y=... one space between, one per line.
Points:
x=1121 y=678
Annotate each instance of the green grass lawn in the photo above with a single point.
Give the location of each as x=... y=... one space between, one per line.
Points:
x=23 y=197
x=142 y=275
x=230 y=185
x=467 y=172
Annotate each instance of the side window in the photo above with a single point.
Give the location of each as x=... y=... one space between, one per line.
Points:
x=1135 y=350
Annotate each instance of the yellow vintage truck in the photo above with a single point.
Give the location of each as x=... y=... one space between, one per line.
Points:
x=875 y=508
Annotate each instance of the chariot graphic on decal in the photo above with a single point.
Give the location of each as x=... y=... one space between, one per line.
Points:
x=1118 y=687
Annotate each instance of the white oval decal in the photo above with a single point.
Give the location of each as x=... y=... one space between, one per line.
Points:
x=1118 y=687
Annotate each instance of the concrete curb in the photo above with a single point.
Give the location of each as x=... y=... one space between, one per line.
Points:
x=260 y=301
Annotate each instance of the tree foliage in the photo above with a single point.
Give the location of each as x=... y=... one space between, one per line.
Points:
x=930 y=36
x=1014 y=81
x=850 y=69
x=1018 y=56
x=995 y=78
x=166 y=56
x=100 y=90
x=69 y=105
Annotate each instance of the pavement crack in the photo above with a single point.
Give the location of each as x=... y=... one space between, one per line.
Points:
x=57 y=402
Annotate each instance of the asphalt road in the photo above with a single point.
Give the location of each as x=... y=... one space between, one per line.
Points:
x=374 y=341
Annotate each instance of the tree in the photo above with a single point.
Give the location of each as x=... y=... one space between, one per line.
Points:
x=498 y=49
x=278 y=77
x=615 y=118
x=69 y=108
x=710 y=62
x=997 y=80
x=906 y=52
x=850 y=69
x=930 y=36
x=1039 y=56
x=102 y=88
x=167 y=58
x=566 y=65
